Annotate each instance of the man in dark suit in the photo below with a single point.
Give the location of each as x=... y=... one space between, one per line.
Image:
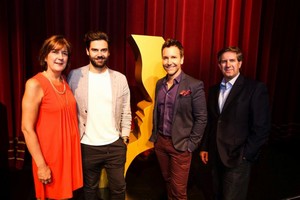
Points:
x=179 y=120
x=238 y=125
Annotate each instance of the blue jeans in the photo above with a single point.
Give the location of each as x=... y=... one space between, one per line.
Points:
x=112 y=157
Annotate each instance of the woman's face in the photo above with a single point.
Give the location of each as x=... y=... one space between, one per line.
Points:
x=57 y=59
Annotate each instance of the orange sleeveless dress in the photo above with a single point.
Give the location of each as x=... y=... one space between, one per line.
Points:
x=58 y=134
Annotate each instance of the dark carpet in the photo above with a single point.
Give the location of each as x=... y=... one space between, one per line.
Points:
x=276 y=176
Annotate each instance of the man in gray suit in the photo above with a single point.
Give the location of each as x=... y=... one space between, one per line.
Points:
x=238 y=125
x=103 y=102
x=179 y=120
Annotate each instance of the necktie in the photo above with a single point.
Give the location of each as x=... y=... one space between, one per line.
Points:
x=224 y=91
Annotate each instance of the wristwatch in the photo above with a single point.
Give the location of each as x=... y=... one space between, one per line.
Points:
x=125 y=139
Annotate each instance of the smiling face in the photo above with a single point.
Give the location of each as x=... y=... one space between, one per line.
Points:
x=98 y=53
x=229 y=65
x=172 y=61
x=55 y=53
x=57 y=58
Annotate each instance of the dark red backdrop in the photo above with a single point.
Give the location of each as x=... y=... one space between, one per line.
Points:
x=267 y=31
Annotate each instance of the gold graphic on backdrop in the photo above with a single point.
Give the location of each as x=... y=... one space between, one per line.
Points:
x=148 y=69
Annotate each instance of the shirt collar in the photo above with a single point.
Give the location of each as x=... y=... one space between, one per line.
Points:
x=230 y=83
x=176 y=80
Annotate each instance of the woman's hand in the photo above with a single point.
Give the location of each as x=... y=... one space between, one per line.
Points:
x=44 y=174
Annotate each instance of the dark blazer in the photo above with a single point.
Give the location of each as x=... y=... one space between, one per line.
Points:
x=243 y=126
x=190 y=114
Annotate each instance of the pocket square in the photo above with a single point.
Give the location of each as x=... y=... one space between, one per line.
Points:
x=185 y=92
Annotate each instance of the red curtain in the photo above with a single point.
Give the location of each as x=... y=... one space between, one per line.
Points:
x=266 y=31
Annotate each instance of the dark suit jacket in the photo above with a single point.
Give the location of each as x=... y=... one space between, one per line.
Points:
x=190 y=114
x=243 y=126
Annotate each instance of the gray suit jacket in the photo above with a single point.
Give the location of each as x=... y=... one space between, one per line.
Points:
x=78 y=82
x=190 y=114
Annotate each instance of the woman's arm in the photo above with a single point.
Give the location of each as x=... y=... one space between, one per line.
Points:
x=30 y=108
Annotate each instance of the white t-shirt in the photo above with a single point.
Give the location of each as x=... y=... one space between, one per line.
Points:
x=100 y=127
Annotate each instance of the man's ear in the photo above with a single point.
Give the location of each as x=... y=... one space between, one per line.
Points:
x=240 y=64
x=220 y=66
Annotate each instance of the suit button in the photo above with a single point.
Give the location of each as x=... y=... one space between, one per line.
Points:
x=83 y=124
x=85 y=111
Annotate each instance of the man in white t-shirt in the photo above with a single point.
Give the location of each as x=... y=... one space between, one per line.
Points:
x=104 y=114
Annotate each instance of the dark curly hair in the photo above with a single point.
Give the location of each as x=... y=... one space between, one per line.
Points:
x=173 y=42
x=95 y=35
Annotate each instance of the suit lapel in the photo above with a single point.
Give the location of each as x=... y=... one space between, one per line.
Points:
x=236 y=88
x=182 y=86
x=113 y=89
x=84 y=83
x=213 y=99
x=157 y=88
x=113 y=84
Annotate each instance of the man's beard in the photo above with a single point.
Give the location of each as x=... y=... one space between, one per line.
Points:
x=96 y=65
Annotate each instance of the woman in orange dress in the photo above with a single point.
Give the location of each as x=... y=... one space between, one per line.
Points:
x=50 y=127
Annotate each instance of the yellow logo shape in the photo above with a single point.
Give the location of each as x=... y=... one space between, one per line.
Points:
x=148 y=69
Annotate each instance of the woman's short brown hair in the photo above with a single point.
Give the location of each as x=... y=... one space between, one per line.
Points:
x=53 y=42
